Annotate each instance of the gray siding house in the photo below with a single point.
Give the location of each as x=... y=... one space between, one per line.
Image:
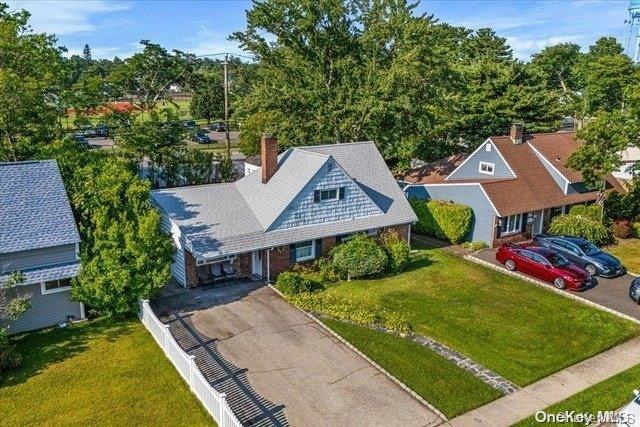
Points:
x=39 y=237
x=515 y=184
x=293 y=208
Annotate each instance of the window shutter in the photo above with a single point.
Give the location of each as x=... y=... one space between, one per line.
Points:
x=318 y=248
x=292 y=252
x=524 y=222
x=341 y=195
x=316 y=196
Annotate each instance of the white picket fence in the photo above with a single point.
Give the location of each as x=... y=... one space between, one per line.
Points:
x=215 y=403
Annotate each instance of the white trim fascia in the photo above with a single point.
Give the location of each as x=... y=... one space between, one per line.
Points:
x=540 y=155
x=474 y=153
x=53 y=291
x=467 y=184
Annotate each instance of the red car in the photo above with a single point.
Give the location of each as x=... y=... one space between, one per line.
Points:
x=544 y=264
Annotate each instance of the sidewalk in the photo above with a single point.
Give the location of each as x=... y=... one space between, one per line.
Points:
x=554 y=388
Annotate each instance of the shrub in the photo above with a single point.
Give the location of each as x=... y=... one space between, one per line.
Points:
x=580 y=226
x=297 y=282
x=593 y=212
x=359 y=257
x=397 y=251
x=9 y=357
x=475 y=246
x=325 y=271
x=622 y=229
x=443 y=220
x=636 y=229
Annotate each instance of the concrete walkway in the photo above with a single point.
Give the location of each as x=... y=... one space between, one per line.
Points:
x=554 y=388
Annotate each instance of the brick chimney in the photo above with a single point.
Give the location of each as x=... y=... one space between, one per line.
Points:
x=269 y=157
x=517 y=133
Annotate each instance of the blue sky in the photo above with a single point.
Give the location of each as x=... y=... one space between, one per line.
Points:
x=201 y=27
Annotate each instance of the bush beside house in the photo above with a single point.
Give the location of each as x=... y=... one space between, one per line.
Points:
x=593 y=212
x=359 y=257
x=580 y=226
x=397 y=251
x=443 y=220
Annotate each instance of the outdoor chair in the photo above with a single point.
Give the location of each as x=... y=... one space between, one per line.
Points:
x=228 y=269
x=216 y=272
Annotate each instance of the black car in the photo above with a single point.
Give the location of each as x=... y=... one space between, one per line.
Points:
x=102 y=131
x=80 y=139
x=634 y=290
x=201 y=138
x=217 y=127
x=583 y=253
x=190 y=124
x=89 y=132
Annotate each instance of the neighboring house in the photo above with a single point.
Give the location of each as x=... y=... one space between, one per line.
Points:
x=38 y=236
x=630 y=157
x=252 y=164
x=294 y=209
x=515 y=184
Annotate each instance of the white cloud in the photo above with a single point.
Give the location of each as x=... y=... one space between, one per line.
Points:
x=523 y=47
x=207 y=41
x=66 y=17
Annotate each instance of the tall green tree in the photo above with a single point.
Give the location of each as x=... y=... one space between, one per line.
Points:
x=125 y=255
x=30 y=65
x=207 y=101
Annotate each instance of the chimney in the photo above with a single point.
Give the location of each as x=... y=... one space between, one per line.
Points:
x=269 y=157
x=517 y=133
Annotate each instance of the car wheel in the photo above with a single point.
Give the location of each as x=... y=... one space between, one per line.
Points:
x=559 y=283
x=510 y=264
x=591 y=269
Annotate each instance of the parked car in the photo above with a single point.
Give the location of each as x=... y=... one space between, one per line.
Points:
x=80 y=139
x=583 y=253
x=544 y=264
x=217 y=127
x=102 y=131
x=190 y=124
x=634 y=290
x=89 y=132
x=630 y=414
x=201 y=138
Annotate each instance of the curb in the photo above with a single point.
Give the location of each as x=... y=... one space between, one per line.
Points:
x=365 y=357
x=551 y=288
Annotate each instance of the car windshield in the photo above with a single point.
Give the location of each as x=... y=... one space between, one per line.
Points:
x=557 y=260
x=589 y=248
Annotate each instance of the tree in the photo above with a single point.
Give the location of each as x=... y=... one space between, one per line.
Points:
x=12 y=306
x=149 y=73
x=86 y=53
x=30 y=70
x=207 y=101
x=126 y=255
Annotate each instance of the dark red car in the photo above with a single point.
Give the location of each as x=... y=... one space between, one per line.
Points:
x=544 y=264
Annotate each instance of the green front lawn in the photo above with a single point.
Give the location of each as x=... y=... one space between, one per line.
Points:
x=449 y=388
x=514 y=328
x=96 y=373
x=609 y=395
x=627 y=251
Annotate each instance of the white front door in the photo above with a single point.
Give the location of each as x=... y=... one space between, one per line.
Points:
x=256 y=263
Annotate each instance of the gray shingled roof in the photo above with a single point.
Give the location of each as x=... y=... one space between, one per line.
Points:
x=42 y=274
x=219 y=219
x=34 y=208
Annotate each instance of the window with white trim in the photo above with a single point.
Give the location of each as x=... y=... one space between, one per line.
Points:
x=486 y=168
x=305 y=251
x=329 y=194
x=511 y=224
x=52 y=286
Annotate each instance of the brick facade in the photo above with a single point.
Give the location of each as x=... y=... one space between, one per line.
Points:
x=190 y=269
x=242 y=264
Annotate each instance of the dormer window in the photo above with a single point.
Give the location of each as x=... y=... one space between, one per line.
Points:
x=486 y=168
x=328 y=194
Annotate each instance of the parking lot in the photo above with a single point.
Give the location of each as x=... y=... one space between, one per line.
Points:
x=610 y=293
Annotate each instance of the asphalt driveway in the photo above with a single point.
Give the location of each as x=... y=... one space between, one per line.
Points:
x=279 y=367
x=611 y=293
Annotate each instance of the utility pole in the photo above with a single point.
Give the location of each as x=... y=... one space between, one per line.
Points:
x=226 y=103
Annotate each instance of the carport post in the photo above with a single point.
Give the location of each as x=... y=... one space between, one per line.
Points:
x=268 y=266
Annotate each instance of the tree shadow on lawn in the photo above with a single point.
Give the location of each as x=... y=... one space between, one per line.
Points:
x=41 y=349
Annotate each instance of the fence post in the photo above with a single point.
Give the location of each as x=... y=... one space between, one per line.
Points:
x=223 y=409
x=166 y=336
x=192 y=367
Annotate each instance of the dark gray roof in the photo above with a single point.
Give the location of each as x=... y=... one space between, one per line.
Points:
x=42 y=274
x=34 y=208
x=219 y=219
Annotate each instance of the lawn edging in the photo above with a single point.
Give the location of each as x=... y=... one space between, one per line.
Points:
x=550 y=288
x=365 y=357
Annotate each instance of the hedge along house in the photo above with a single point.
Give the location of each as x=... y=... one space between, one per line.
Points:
x=294 y=208
x=39 y=237
x=515 y=184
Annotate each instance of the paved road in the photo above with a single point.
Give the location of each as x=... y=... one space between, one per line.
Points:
x=278 y=366
x=611 y=293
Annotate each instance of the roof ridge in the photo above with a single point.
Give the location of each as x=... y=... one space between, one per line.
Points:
x=336 y=144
